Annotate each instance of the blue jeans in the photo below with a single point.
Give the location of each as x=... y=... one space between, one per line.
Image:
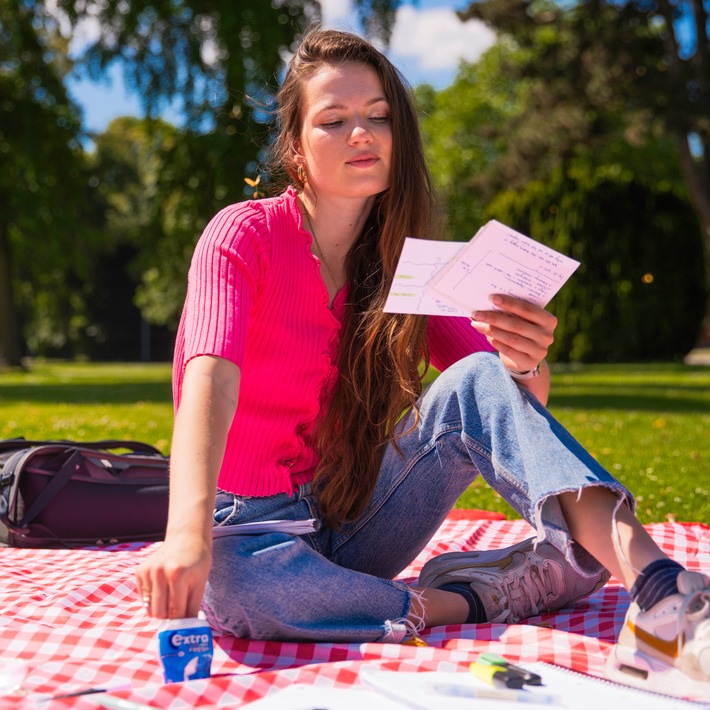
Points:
x=338 y=585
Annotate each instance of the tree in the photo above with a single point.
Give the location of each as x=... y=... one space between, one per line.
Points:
x=221 y=60
x=126 y=162
x=598 y=58
x=43 y=183
x=578 y=205
x=462 y=136
x=627 y=274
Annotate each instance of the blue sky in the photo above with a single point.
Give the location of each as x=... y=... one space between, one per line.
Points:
x=427 y=45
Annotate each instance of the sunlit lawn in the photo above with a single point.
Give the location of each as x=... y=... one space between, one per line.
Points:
x=88 y=402
x=649 y=424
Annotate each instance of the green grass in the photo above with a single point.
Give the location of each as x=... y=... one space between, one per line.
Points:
x=648 y=424
x=88 y=402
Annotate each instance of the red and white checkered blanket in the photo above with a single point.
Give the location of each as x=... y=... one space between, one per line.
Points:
x=74 y=618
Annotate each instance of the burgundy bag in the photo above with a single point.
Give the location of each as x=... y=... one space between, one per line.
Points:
x=75 y=494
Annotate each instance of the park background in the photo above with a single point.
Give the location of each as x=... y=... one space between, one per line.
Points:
x=126 y=124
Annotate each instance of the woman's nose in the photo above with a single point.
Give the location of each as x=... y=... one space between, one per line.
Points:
x=360 y=134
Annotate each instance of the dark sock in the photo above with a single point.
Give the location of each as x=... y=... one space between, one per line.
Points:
x=656 y=582
x=476 y=613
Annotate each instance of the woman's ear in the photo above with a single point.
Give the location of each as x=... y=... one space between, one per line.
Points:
x=298 y=162
x=296 y=152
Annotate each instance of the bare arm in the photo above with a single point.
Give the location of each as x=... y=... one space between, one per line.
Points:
x=174 y=577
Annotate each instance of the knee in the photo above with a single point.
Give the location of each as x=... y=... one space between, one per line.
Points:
x=224 y=612
x=482 y=371
x=242 y=594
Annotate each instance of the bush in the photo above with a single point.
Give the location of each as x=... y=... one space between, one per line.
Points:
x=640 y=291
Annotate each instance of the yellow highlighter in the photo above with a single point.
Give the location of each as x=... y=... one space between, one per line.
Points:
x=493 y=659
x=496 y=676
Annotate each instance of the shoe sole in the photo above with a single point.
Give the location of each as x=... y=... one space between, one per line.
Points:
x=442 y=569
x=632 y=667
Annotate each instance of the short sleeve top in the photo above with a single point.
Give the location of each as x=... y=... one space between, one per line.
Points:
x=256 y=298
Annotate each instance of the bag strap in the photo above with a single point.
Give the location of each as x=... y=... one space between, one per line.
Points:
x=136 y=446
x=56 y=483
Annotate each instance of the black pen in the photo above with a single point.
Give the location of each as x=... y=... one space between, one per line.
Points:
x=91 y=691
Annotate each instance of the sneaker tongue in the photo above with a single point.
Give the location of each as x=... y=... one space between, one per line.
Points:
x=689 y=582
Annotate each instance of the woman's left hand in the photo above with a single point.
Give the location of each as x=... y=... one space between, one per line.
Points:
x=520 y=331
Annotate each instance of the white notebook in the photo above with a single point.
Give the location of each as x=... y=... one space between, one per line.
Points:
x=293 y=527
x=562 y=688
x=312 y=697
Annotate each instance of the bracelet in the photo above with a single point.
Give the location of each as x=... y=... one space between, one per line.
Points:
x=524 y=375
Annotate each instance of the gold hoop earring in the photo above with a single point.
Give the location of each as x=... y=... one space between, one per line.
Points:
x=301 y=173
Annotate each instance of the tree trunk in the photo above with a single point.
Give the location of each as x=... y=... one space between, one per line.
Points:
x=10 y=341
x=697 y=177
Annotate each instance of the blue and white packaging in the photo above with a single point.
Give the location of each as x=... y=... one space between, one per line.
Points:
x=185 y=649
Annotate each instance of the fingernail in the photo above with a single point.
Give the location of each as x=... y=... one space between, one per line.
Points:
x=479 y=316
x=496 y=299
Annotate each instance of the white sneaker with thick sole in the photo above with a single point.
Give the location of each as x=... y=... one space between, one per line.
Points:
x=667 y=648
x=515 y=582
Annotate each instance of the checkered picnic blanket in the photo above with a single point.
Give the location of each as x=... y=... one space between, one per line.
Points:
x=74 y=618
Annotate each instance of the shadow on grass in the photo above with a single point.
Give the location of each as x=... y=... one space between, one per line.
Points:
x=648 y=402
x=87 y=393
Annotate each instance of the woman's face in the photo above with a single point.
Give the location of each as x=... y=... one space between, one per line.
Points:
x=346 y=138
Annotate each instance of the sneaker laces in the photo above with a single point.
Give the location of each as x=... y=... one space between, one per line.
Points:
x=526 y=594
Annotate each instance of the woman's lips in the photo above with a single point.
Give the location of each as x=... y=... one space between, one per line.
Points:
x=365 y=161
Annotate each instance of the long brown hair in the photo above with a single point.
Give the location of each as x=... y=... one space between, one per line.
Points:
x=380 y=353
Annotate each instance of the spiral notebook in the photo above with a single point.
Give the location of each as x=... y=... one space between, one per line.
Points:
x=562 y=688
x=293 y=527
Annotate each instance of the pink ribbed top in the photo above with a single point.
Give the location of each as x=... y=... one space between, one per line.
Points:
x=255 y=297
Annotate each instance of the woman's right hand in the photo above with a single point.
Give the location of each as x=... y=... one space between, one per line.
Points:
x=171 y=582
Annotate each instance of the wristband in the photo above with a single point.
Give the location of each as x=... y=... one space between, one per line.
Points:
x=525 y=375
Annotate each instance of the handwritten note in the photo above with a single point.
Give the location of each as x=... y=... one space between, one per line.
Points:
x=419 y=262
x=448 y=278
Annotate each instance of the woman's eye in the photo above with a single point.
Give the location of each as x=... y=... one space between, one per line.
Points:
x=331 y=124
x=380 y=119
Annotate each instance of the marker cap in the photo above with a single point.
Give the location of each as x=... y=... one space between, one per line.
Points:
x=496 y=676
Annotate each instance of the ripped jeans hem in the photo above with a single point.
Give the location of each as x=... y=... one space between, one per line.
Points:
x=552 y=527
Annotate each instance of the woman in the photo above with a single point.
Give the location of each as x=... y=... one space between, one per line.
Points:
x=289 y=384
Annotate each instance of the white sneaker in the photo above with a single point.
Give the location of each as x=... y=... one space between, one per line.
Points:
x=667 y=648
x=515 y=582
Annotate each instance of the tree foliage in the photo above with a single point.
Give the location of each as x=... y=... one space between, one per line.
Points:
x=90 y=242
x=595 y=60
x=77 y=224
x=616 y=204
x=462 y=136
x=222 y=60
x=124 y=218
x=639 y=292
x=44 y=187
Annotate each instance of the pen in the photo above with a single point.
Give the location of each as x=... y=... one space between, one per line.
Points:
x=90 y=691
x=496 y=676
x=493 y=659
x=516 y=696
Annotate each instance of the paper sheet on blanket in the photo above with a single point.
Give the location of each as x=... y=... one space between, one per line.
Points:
x=307 y=697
